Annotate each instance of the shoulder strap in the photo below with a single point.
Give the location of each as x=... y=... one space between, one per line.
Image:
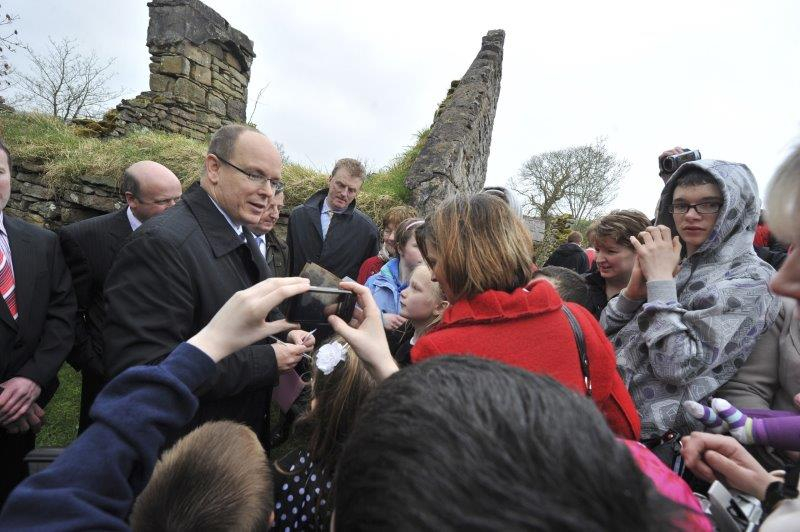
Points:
x=581 y=343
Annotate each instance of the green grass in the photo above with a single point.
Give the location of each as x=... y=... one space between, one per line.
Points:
x=65 y=153
x=61 y=413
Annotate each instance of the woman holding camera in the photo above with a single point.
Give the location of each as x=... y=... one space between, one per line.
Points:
x=480 y=254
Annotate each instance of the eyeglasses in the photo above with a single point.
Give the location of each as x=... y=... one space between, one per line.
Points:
x=277 y=184
x=707 y=207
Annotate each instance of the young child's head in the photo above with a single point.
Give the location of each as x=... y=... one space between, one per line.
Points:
x=406 y=242
x=214 y=478
x=335 y=400
x=422 y=301
x=391 y=220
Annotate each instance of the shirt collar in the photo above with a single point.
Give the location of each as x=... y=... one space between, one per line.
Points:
x=133 y=220
x=2 y=225
x=327 y=208
x=236 y=228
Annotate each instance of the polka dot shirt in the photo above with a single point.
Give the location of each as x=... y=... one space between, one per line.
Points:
x=301 y=496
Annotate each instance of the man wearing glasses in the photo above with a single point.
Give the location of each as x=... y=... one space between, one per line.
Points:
x=179 y=269
x=89 y=248
x=697 y=299
x=329 y=230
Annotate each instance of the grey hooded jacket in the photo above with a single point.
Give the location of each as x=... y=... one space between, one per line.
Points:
x=693 y=333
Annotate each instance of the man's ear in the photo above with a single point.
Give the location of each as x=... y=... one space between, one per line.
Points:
x=129 y=198
x=212 y=166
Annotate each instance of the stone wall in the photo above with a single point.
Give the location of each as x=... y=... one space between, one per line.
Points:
x=199 y=72
x=454 y=157
x=33 y=199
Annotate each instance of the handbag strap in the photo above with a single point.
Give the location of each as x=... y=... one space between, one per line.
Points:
x=577 y=332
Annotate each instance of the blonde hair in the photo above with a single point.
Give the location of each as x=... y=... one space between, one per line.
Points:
x=214 y=478
x=353 y=167
x=783 y=196
x=479 y=244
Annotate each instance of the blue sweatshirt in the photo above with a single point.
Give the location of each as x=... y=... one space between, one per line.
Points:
x=94 y=482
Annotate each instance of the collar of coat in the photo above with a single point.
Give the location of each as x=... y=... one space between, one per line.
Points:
x=220 y=235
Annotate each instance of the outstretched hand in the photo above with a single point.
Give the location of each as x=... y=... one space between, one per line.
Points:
x=367 y=339
x=242 y=319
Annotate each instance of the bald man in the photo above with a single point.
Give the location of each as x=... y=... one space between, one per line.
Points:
x=90 y=247
x=178 y=270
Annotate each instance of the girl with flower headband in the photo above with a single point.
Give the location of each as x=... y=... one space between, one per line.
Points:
x=303 y=484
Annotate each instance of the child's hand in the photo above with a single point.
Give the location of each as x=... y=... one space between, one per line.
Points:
x=368 y=340
x=242 y=319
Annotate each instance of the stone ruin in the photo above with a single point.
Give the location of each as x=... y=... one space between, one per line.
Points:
x=454 y=157
x=199 y=72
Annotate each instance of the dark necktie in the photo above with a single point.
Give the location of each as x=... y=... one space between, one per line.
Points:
x=258 y=258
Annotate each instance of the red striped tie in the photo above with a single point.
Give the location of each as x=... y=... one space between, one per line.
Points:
x=7 y=284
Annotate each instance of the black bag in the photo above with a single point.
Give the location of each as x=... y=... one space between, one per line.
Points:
x=668 y=450
x=580 y=342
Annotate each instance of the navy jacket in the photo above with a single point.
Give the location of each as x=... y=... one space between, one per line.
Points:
x=94 y=482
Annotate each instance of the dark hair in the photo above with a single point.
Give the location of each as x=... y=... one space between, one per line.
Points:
x=464 y=443
x=4 y=149
x=129 y=183
x=480 y=245
x=569 y=284
x=404 y=233
x=695 y=178
x=224 y=140
x=214 y=478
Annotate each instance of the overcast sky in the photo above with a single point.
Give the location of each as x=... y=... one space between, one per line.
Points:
x=359 y=78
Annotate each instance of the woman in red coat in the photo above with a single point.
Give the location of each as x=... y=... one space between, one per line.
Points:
x=497 y=312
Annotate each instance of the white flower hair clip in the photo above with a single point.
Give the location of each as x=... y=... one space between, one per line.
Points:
x=329 y=356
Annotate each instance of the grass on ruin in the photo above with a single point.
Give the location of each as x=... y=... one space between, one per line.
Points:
x=62 y=412
x=65 y=154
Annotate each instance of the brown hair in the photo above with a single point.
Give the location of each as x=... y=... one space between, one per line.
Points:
x=405 y=231
x=397 y=214
x=338 y=397
x=479 y=244
x=351 y=166
x=575 y=237
x=622 y=224
x=215 y=478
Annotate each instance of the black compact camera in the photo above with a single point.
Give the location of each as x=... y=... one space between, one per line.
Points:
x=312 y=308
x=671 y=163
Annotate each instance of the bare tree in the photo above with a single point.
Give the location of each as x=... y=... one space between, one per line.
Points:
x=577 y=182
x=9 y=42
x=65 y=83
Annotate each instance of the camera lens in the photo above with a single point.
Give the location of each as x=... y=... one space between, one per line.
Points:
x=670 y=164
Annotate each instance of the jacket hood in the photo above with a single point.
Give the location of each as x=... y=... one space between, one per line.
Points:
x=539 y=297
x=568 y=249
x=734 y=229
x=318 y=197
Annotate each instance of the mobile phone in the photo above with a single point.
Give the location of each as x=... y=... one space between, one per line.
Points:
x=312 y=308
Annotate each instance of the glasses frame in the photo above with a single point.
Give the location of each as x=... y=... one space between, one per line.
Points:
x=276 y=184
x=695 y=206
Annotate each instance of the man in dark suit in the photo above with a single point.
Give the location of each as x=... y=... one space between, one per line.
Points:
x=89 y=248
x=37 y=320
x=329 y=230
x=179 y=268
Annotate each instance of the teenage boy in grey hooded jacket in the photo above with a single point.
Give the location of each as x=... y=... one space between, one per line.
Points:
x=682 y=328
